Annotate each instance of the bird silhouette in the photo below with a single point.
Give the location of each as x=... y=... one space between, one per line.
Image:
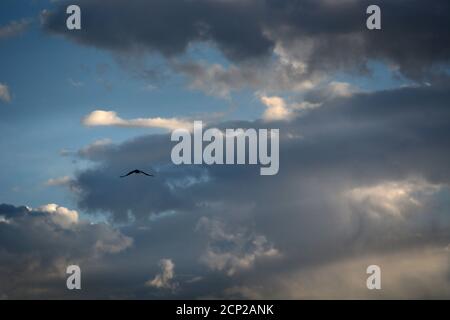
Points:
x=137 y=172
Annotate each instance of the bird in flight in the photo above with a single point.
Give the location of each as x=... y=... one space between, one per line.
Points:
x=136 y=172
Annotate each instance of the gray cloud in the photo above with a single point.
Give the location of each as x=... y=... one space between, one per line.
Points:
x=164 y=279
x=324 y=36
x=36 y=246
x=146 y=26
x=420 y=273
x=220 y=81
x=233 y=250
x=362 y=178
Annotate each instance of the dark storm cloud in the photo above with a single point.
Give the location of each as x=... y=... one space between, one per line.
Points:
x=128 y=192
x=326 y=35
x=36 y=246
x=361 y=179
x=413 y=36
x=167 y=27
x=368 y=137
x=378 y=124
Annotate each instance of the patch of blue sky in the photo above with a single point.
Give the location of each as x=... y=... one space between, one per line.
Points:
x=380 y=77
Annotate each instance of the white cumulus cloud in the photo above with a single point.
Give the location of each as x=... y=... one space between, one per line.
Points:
x=60 y=215
x=277 y=108
x=164 y=279
x=110 y=118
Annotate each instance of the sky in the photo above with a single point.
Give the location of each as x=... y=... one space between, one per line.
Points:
x=364 y=127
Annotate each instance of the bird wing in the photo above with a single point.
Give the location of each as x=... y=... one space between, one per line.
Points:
x=131 y=172
x=150 y=175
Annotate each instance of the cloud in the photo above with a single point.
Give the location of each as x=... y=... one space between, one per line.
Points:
x=201 y=20
x=314 y=36
x=394 y=198
x=60 y=215
x=348 y=197
x=364 y=180
x=36 y=246
x=331 y=91
x=220 y=81
x=340 y=89
x=164 y=279
x=96 y=146
x=233 y=252
x=279 y=46
x=281 y=74
x=276 y=109
x=410 y=274
x=60 y=181
x=5 y=95
x=363 y=175
x=14 y=28
x=110 y=118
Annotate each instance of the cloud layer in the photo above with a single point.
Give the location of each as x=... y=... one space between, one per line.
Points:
x=364 y=175
x=311 y=37
x=36 y=246
x=364 y=180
